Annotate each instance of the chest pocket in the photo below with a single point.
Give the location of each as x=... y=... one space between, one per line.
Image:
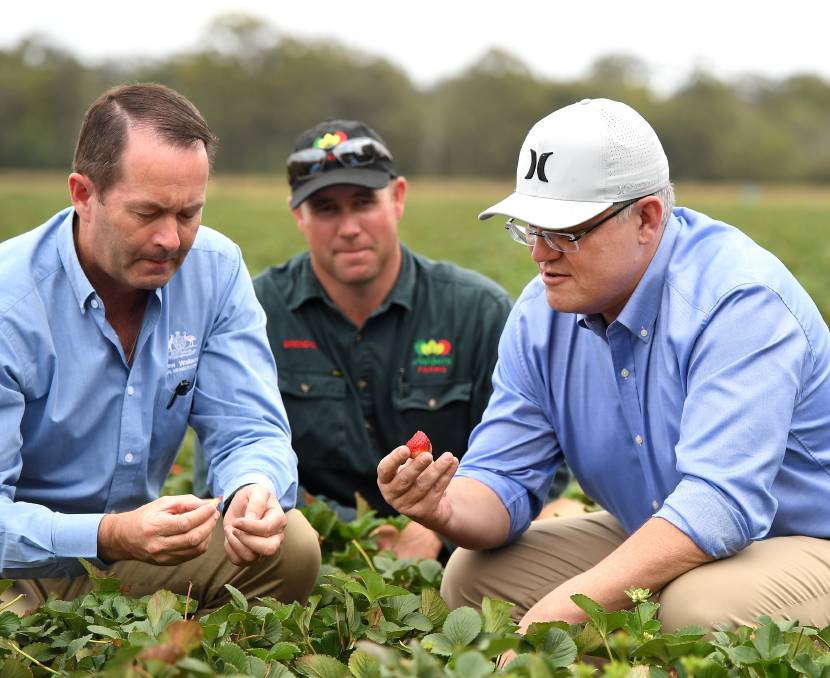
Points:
x=316 y=412
x=442 y=411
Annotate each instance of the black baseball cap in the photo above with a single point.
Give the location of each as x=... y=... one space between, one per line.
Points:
x=371 y=165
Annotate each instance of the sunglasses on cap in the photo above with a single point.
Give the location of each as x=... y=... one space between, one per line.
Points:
x=355 y=152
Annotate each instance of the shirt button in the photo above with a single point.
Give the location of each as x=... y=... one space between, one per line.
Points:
x=130 y=390
x=362 y=384
x=638 y=439
x=367 y=425
x=432 y=403
x=305 y=388
x=624 y=373
x=358 y=337
x=655 y=505
x=644 y=332
x=128 y=457
x=94 y=303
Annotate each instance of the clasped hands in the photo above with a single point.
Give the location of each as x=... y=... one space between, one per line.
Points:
x=172 y=530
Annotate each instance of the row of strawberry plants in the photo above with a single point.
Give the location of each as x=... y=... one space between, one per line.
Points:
x=373 y=616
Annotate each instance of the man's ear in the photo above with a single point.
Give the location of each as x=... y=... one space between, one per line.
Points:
x=81 y=192
x=651 y=219
x=399 y=186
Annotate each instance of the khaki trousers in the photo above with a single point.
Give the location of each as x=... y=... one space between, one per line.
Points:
x=783 y=577
x=289 y=575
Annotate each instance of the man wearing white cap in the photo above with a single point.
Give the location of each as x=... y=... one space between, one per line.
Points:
x=679 y=369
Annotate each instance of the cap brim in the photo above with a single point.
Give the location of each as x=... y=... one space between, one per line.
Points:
x=356 y=176
x=548 y=213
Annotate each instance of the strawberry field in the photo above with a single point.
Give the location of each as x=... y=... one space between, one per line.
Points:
x=372 y=615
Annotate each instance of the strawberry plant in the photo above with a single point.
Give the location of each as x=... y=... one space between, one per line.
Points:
x=374 y=616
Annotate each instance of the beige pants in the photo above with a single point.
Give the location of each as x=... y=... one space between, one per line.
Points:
x=783 y=577
x=289 y=575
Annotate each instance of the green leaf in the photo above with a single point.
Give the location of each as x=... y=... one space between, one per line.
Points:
x=462 y=626
x=238 y=599
x=496 y=614
x=284 y=652
x=431 y=571
x=559 y=648
x=272 y=628
x=433 y=606
x=101 y=583
x=363 y=665
x=768 y=641
x=438 y=643
x=419 y=622
x=103 y=631
x=742 y=655
x=76 y=645
x=321 y=666
x=256 y=667
x=14 y=668
x=9 y=623
x=233 y=655
x=472 y=665
x=195 y=666
x=5 y=585
x=158 y=603
x=495 y=646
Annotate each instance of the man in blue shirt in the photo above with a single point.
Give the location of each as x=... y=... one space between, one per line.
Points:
x=678 y=368
x=122 y=320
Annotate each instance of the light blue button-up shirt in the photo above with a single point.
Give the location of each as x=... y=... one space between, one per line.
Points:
x=706 y=402
x=83 y=434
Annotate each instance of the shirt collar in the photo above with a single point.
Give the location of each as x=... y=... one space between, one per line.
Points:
x=78 y=281
x=308 y=287
x=640 y=311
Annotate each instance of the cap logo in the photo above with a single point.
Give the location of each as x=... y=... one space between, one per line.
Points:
x=538 y=168
x=329 y=140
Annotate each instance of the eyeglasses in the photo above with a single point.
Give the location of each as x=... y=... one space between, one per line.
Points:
x=349 y=153
x=561 y=242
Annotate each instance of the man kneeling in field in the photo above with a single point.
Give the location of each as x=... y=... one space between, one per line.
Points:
x=679 y=369
x=121 y=322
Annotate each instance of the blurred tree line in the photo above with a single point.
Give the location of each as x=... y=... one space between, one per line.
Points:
x=258 y=89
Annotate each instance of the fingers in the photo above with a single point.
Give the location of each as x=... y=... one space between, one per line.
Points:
x=273 y=522
x=260 y=546
x=388 y=466
x=420 y=478
x=190 y=543
x=182 y=523
x=238 y=553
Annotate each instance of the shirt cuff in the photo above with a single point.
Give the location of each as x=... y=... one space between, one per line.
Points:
x=76 y=535
x=709 y=520
x=512 y=494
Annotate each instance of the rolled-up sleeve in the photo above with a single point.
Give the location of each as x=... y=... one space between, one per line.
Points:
x=514 y=450
x=237 y=410
x=742 y=388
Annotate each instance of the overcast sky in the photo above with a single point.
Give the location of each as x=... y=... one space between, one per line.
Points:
x=431 y=39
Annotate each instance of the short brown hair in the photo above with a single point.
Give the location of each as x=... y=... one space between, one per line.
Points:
x=104 y=129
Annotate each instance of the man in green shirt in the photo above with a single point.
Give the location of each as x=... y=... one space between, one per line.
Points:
x=372 y=341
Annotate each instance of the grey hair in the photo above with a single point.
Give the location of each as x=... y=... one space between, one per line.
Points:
x=666 y=197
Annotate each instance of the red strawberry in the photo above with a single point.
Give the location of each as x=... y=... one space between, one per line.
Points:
x=418 y=443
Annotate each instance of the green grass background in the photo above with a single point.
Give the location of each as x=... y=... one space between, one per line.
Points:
x=440 y=221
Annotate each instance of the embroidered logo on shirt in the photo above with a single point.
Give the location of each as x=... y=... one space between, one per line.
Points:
x=299 y=343
x=432 y=356
x=182 y=351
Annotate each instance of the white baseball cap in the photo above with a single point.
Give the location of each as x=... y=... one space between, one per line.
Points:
x=579 y=160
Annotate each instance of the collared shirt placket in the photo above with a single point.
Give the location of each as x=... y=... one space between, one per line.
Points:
x=624 y=345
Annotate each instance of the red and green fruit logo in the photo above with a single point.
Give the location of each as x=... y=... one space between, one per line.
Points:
x=432 y=347
x=432 y=356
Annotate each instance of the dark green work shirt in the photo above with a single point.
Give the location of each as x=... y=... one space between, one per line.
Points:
x=422 y=361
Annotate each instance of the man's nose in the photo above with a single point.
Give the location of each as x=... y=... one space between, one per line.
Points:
x=541 y=251
x=349 y=225
x=166 y=234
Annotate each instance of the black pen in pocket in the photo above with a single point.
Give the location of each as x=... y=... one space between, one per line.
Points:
x=181 y=388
